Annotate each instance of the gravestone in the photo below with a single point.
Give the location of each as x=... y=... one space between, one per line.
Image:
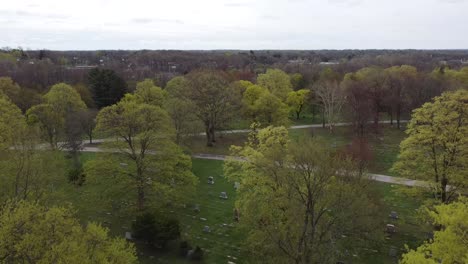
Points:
x=128 y=236
x=206 y=229
x=223 y=195
x=393 y=215
x=236 y=215
x=196 y=208
x=392 y=252
x=391 y=229
x=210 y=180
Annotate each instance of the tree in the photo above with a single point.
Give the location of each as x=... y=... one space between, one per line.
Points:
x=259 y=105
x=10 y=89
x=214 y=99
x=331 y=96
x=297 y=100
x=107 y=87
x=364 y=91
x=297 y=81
x=436 y=148
x=59 y=103
x=147 y=92
x=148 y=162
x=11 y=121
x=399 y=80
x=181 y=109
x=277 y=82
x=85 y=94
x=87 y=120
x=156 y=229
x=294 y=205
x=31 y=233
x=25 y=171
x=450 y=243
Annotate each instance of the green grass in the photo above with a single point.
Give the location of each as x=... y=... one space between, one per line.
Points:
x=224 y=241
x=384 y=146
x=410 y=229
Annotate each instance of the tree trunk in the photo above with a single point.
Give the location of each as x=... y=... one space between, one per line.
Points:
x=323 y=119
x=443 y=185
x=391 y=117
x=398 y=113
x=212 y=134
x=297 y=115
x=140 y=188
x=209 y=143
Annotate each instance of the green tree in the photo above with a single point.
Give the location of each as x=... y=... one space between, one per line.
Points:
x=214 y=99
x=59 y=102
x=147 y=161
x=297 y=100
x=31 y=233
x=259 y=105
x=11 y=89
x=436 y=148
x=450 y=244
x=107 y=87
x=277 y=82
x=85 y=94
x=156 y=229
x=147 y=92
x=297 y=81
x=181 y=109
x=25 y=171
x=294 y=206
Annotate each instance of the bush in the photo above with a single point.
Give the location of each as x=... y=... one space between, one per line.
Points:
x=76 y=175
x=197 y=254
x=155 y=230
x=184 y=248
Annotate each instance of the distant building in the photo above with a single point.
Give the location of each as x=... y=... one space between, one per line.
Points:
x=328 y=63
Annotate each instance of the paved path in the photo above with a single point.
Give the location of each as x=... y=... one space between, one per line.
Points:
x=235 y=131
x=372 y=176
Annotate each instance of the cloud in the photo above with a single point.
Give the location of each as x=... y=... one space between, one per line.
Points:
x=39 y=15
x=156 y=20
x=453 y=1
x=270 y=17
x=236 y=4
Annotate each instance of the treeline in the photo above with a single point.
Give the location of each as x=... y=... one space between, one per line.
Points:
x=39 y=69
x=215 y=99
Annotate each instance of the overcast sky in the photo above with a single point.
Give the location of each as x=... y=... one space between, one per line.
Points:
x=234 y=24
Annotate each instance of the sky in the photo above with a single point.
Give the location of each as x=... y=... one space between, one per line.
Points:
x=234 y=24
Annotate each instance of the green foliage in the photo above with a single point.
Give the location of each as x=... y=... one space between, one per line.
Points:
x=259 y=105
x=157 y=230
x=147 y=92
x=10 y=89
x=31 y=233
x=155 y=169
x=277 y=82
x=450 y=243
x=107 y=87
x=436 y=148
x=293 y=204
x=85 y=94
x=11 y=121
x=59 y=102
x=297 y=81
x=297 y=100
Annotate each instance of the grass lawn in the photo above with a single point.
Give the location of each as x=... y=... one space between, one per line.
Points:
x=224 y=242
x=385 y=145
x=410 y=230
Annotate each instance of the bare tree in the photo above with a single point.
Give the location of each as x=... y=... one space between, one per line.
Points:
x=331 y=96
